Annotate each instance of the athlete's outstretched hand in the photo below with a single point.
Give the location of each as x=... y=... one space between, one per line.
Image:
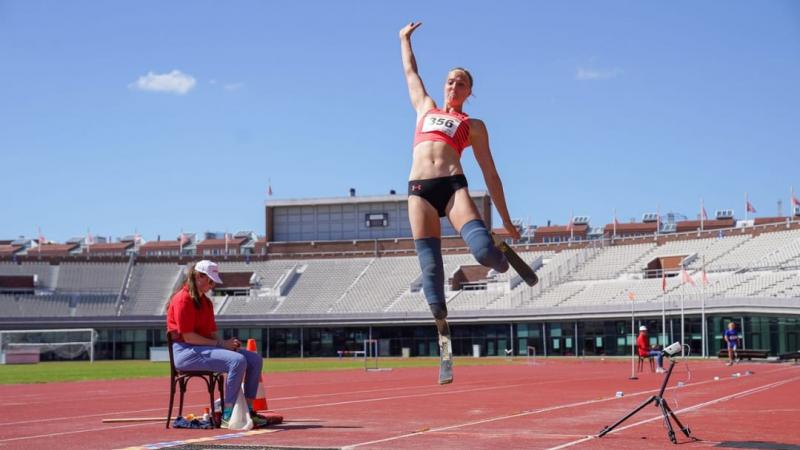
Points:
x=405 y=32
x=512 y=230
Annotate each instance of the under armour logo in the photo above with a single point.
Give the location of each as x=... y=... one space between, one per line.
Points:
x=416 y=187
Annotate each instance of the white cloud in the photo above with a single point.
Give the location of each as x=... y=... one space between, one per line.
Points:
x=233 y=86
x=584 y=74
x=175 y=82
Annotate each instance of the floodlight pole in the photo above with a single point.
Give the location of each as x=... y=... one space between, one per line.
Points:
x=633 y=345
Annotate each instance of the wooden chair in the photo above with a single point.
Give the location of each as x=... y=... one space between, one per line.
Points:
x=181 y=378
x=650 y=359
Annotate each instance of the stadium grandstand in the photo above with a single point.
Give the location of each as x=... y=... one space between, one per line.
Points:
x=329 y=273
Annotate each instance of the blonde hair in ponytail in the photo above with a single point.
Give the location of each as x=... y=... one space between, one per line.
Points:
x=191 y=283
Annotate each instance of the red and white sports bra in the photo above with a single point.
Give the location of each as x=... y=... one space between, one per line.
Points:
x=452 y=128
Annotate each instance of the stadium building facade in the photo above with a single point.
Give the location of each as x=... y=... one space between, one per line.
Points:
x=331 y=273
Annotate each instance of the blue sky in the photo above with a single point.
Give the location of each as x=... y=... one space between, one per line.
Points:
x=590 y=106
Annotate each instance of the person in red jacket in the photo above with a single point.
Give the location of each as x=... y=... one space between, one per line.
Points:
x=644 y=350
x=197 y=344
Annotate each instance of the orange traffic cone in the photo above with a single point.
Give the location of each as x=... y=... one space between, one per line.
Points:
x=260 y=402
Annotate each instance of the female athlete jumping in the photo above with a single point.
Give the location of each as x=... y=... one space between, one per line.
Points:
x=437 y=186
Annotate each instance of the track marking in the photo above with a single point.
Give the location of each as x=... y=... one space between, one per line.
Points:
x=63 y=433
x=744 y=393
x=200 y=405
x=446 y=392
x=538 y=411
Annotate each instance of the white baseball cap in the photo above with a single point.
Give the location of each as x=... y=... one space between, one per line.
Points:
x=642 y=328
x=209 y=268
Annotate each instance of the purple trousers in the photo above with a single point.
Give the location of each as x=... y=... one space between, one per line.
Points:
x=240 y=365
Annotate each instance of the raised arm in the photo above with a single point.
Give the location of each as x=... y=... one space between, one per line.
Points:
x=479 y=138
x=420 y=99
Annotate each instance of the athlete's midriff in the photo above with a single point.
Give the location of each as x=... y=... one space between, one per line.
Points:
x=433 y=159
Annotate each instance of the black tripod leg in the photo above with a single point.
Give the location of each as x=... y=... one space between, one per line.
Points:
x=665 y=415
x=685 y=430
x=607 y=429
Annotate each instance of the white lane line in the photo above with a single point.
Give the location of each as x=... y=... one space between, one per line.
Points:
x=744 y=393
x=200 y=405
x=396 y=397
x=64 y=433
x=521 y=414
x=524 y=413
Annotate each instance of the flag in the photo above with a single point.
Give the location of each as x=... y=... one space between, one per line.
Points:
x=703 y=215
x=269 y=187
x=89 y=238
x=632 y=296
x=182 y=240
x=795 y=201
x=616 y=222
x=658 y=220
x=41 y=240
x=226 y=243
x=663 y=280
x=571 y=227
x=704 y=279
x=686 y=278
x=750 y=207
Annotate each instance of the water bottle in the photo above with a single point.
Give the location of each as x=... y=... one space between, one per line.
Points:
x=206 y=415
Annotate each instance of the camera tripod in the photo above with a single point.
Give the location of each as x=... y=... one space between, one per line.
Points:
x=666 y=412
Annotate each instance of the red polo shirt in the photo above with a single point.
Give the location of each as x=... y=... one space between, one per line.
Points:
x=643 y=345
x=184 y=317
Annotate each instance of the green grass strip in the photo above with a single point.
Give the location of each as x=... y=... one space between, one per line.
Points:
x=50 y=372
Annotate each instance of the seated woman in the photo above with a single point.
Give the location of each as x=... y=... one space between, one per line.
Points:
x=645 y=351
x=198 y=345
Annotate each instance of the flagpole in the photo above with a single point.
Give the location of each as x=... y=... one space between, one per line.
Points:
x=746 y=206
x=613 y=236
x=703 y=308
x=632 y=296
x=664 y=308
x=702 y=213
x=571 y=225
x=683 y=292
x=658 y=218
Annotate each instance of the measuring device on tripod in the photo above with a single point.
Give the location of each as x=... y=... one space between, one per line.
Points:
x=666 y=412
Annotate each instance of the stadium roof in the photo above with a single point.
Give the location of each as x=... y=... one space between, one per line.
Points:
x=7 y=249
x=116 y=246
x=221 y=242
x=355 y=199
x=560 y=229
x=160 y=244
x=53 y=249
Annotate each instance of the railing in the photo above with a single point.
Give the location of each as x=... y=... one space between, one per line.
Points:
x=126 y=280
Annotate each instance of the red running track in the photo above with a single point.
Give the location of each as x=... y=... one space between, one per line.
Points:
x=557 y=404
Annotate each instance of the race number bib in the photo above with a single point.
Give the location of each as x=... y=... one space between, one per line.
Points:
x=441 y=123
